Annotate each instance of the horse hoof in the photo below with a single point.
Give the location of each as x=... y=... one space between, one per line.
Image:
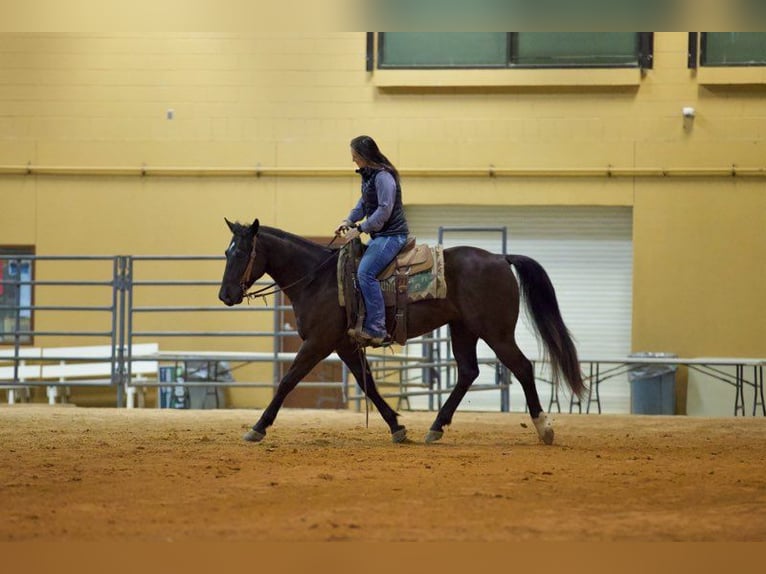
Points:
x=399 y=436
x=433 y=436
x=544 y=428
x=547 y=436
x=253 y=436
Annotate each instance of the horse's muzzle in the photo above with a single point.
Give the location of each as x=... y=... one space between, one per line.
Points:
x=230 y=299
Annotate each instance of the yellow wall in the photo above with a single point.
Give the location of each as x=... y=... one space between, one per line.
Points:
x=88 y=101
x=699 y=265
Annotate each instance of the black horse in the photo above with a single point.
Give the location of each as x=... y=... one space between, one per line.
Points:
x=482 y=302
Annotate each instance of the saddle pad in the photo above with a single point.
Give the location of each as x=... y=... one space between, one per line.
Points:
x=428 y=284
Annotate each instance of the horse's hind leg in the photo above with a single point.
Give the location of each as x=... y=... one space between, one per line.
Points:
x=464 y=350
x=364 y=379
x=512 y=357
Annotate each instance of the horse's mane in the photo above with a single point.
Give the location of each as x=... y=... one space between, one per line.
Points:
x=241 y=229
x=291 y=237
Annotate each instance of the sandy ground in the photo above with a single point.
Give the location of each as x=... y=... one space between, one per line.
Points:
x=83 y=474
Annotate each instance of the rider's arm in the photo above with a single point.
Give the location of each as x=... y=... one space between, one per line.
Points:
x=356 y=213
x=385 y=188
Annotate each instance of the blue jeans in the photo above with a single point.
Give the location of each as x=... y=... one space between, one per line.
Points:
x=380 y=252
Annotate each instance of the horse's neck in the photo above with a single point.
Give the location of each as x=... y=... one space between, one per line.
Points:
x=288 y=259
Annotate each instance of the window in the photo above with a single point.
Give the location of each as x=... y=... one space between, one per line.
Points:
x=15 y=294
x=575 y=49
x=514 y=49
x=443 y=50
x=733 y=49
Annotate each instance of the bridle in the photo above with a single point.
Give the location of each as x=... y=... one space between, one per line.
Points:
x=245 y=279
x=272 y=288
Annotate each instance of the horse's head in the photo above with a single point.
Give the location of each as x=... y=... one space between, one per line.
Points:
x=242 y=267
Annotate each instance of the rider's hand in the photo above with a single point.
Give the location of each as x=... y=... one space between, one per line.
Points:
x=351 y=234
x=343 y=227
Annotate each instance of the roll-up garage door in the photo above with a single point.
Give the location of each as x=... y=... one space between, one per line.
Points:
x=587 y=251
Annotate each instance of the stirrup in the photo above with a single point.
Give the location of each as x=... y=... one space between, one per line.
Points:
x=365 y=339
x=386 y=341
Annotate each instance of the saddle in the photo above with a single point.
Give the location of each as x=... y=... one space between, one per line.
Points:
x=415 y=274
x=412 y=257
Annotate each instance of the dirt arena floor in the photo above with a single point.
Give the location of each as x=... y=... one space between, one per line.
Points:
x=79 y=474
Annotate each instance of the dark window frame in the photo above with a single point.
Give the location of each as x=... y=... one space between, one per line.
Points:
x=692 y=56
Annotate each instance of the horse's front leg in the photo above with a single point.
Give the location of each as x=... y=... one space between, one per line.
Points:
x=361 y=370
x=306 y=359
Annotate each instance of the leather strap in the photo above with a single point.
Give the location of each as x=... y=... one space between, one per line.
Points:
x=245 y=280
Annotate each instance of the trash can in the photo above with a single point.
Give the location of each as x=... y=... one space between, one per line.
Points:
x=653 y=386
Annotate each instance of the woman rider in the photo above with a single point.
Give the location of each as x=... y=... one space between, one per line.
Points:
x=380 y=206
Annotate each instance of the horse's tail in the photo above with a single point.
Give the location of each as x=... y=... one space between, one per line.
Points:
x=540 y=297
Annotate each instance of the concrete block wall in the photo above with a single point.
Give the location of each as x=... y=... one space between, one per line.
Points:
x=93 y=101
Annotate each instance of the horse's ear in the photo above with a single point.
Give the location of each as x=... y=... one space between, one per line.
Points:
x=230 y=224
x=254 y=227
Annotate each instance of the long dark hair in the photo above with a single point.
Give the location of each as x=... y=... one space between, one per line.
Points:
x=366 y=148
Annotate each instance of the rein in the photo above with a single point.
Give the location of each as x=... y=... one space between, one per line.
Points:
x=265 y=291
x=363 y=360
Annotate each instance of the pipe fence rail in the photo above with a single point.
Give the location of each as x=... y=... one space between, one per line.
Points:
x=29 y=306
x=119 y=308
x=142 y=300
